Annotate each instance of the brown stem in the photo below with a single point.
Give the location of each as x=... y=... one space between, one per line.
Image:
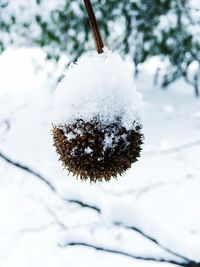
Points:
x=95 y=30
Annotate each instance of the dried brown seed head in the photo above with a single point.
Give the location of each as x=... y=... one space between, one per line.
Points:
x=95 y=151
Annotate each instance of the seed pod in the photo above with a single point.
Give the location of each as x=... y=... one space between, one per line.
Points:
x=96 y=151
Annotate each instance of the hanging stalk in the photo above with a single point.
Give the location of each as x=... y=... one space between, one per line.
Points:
x=94 y=26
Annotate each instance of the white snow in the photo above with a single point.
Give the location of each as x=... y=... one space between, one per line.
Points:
x=159 y=195
x=98 y=85
x=88 y=150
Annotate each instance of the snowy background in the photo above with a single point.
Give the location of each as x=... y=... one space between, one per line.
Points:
x=148 y=217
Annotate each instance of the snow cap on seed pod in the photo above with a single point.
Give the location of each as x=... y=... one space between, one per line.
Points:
x=98 y=111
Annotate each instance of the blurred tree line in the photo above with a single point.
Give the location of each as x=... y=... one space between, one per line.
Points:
x=138 y=29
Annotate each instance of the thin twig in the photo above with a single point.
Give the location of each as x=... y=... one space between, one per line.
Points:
x=173 y=149
x=94 y=26
x=153 y=240
x=27 y=169
x=37 y=229
x=82 y=204
x=123 y=253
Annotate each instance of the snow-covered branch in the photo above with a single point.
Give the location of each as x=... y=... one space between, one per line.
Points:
x=184 y=261
x=155 y=241
x=83 y=204
x=27 y=169
x=123 y=253
x=174 y=149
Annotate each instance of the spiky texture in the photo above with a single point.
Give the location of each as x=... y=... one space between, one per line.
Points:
x=96 y=151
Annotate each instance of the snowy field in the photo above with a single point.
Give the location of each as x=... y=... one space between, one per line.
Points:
x=149 y=217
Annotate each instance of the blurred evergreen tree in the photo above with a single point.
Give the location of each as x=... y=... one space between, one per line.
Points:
x=138 y=29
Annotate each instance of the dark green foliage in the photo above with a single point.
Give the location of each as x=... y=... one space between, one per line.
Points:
x=137 y=29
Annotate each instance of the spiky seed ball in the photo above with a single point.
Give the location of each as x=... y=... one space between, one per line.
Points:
x=98 y=113
x=95 y=151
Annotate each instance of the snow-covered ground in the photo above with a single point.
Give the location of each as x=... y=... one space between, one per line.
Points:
x=149 y=217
